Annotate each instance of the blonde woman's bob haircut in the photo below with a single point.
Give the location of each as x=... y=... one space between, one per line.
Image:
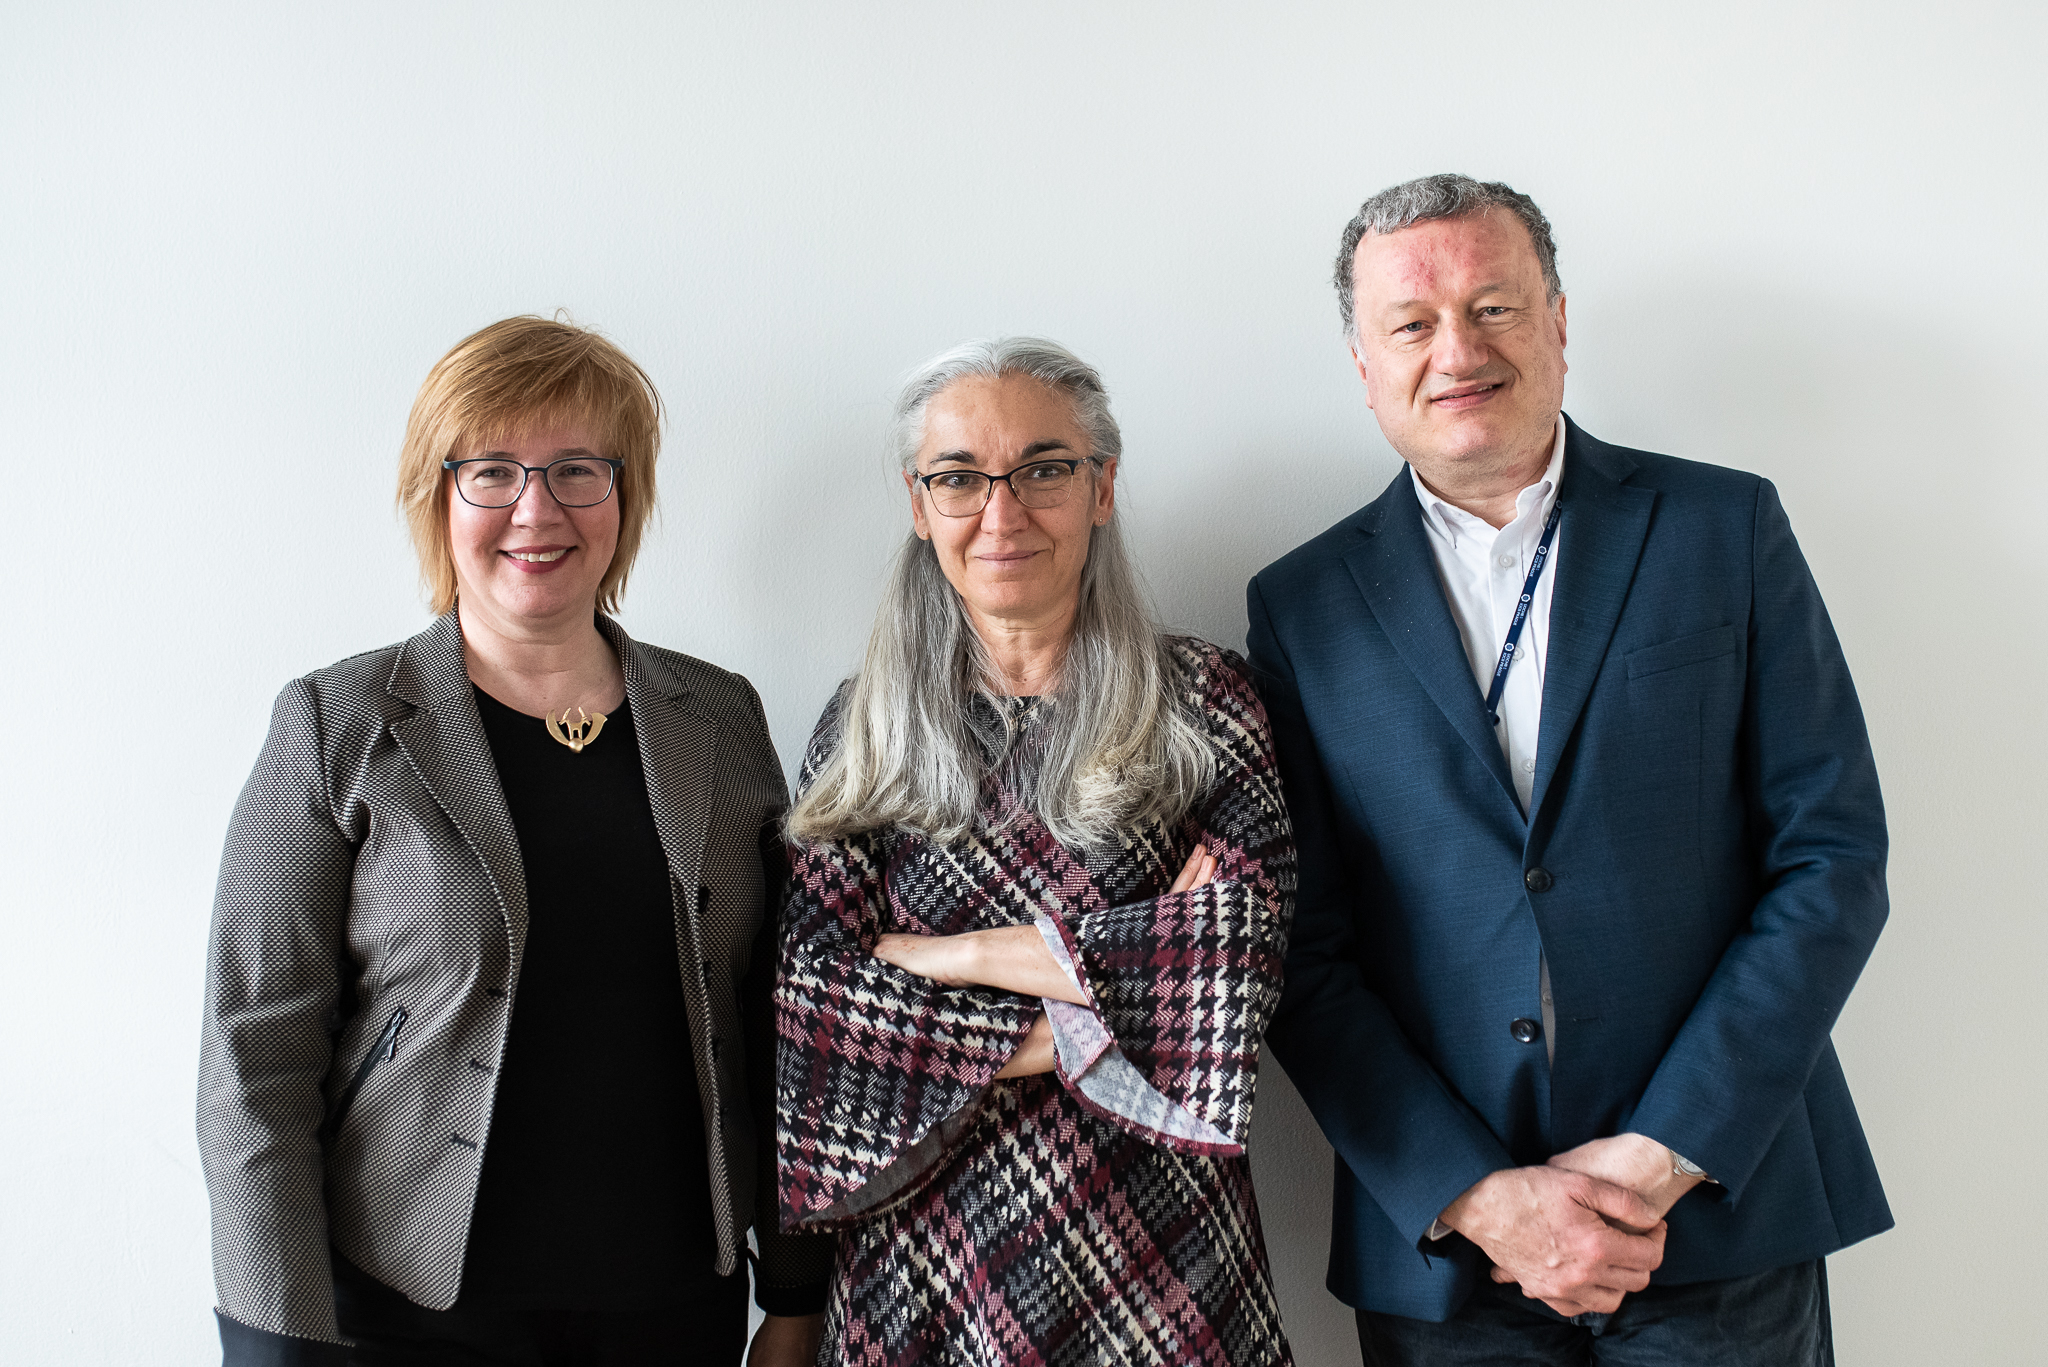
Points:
x=516 y=377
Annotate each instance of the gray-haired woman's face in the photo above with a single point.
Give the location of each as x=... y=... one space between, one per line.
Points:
x=1013 y=566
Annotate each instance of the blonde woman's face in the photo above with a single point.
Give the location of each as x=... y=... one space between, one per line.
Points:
x=1010 y=563
x=536 y=563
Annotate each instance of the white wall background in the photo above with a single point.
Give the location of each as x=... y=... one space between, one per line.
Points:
x=1802 y=239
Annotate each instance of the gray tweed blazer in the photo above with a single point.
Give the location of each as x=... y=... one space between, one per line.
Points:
x=367 y=937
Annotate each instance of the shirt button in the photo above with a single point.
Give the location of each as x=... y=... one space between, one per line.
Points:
x=1521 y=651
x=1506 y=562
x=1528 y=766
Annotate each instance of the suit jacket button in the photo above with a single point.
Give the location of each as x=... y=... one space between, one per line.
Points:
x=1525 y=1030
x=1537 y=880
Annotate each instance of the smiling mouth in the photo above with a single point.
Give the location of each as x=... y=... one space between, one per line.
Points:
x=1466 y=392
x=539 y=557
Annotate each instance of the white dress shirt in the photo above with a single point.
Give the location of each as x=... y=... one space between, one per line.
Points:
x=1482 y=572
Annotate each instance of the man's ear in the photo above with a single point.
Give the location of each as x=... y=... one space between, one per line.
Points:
x=1358 y=360
x=1558 y=309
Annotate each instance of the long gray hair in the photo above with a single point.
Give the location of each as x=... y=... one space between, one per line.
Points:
x=1120 y=741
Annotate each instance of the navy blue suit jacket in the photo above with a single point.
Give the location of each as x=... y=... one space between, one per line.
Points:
x=1706 y=810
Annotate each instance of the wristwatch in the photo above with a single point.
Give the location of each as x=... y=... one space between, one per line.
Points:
x=1685 y=1167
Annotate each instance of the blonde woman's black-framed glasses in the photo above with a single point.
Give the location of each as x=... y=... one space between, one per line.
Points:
x=495 y=482
x=1041 y=484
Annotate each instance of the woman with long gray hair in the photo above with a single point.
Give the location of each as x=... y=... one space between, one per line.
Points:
x=1043 y=879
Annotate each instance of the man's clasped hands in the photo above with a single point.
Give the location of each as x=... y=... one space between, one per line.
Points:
x=1583 y=1230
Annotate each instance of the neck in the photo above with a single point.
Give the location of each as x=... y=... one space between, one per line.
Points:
x=1026 y=652
x=1487 y=487
x=544 y=666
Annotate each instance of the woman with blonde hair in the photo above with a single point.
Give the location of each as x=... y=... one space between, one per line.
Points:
x=487 y=994
x=1043 y=883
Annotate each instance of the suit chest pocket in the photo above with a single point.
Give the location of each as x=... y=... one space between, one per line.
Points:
x=1697 y=648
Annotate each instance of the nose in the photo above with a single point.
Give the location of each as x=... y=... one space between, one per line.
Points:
x=536 y=502
x=1003 y=512
x=1459 y=349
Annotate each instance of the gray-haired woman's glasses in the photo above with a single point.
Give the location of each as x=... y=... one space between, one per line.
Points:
x=495 y=482
x=1041 y=484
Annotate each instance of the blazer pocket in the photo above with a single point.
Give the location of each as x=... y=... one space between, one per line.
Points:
x=1710 y=644
x=385 y=1046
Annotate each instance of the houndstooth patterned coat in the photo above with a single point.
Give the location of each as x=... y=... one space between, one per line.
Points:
x=1100 y=1213
x=364 y=964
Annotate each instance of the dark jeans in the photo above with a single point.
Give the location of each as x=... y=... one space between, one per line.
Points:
x=1775 y=1319
x=704 y=1326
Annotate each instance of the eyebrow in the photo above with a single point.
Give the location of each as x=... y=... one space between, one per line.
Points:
x=1036 y=448
x=564 y=453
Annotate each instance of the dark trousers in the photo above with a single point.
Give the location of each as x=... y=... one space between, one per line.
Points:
x=1774 y=1319
x=702 y=1326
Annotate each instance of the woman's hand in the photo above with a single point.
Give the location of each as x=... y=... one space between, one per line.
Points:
x=1013 y=958
x=947 y=959
x=786 y=1341
x=1199 y=871
x=1035 y=1054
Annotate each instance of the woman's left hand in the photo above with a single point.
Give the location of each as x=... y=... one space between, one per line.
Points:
x=946 y=959
x=1013 y=958
x=786 y=1341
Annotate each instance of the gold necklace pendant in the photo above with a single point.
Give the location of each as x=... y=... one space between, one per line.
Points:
x=578 y=733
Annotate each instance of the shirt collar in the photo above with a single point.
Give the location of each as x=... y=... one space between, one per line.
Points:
x=1453 y=521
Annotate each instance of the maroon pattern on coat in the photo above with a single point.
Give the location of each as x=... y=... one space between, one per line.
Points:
x=1019 y=1221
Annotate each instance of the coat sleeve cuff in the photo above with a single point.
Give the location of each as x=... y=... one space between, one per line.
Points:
x=244 y=1346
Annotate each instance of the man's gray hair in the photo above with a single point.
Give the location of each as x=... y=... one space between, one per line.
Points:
x=1432 y=197
x=1120 y=741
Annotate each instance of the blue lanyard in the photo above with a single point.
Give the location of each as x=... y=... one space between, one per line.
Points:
x=1507 y=652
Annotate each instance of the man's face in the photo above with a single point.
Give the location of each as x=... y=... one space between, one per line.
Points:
x=1461 y=353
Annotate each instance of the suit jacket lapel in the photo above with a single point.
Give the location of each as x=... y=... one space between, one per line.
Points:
x=1394 y=569
x=443 y=738
x=678 y=754
x=1600 y=533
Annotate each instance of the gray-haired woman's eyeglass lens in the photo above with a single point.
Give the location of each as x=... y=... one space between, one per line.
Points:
x=494 y=482
x=963 y=493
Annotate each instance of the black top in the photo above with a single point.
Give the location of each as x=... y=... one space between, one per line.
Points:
x=595 y=1188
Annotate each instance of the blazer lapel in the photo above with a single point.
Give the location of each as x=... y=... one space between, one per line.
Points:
x=1600 y=533
x=678 y=754
x=1394 y=569
x=443 y=738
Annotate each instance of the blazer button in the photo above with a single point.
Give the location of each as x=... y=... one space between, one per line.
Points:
x=1537 y=880
x=1525 y=1030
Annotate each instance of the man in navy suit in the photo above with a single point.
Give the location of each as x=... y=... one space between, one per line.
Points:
x=1592 y=850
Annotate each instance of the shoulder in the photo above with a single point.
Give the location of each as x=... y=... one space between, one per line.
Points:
x=1322 y=553
x=1320 y=558
x=824 y=736
x=1213 y=679
x=352 y=692
x=1685 y=485
x=721 y=692
x=330 y=718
